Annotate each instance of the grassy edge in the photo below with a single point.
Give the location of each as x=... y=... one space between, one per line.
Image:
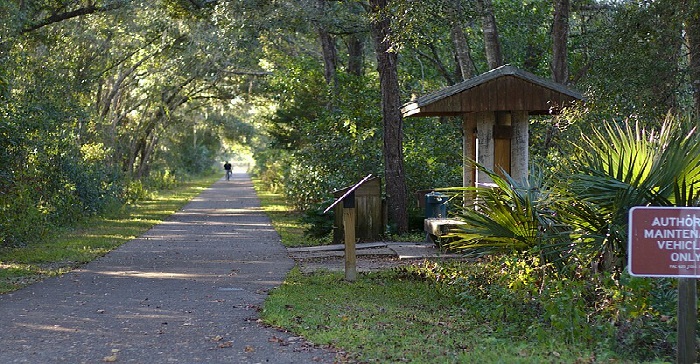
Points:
x=393 y=317
x=69 y=248
x=285 y=221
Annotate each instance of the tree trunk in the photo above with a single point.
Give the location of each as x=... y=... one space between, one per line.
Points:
x=330 y=53
x=692 y=33
x=560 y=37
x=667 y=83
x=146 y=153
x=393 y=123
x=356 y=47
x=355 y=55
x=462 y=52
x=492 y=45
x=330 y=56
x=461 y=44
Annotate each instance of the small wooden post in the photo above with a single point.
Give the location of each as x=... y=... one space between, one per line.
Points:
x=349 y=222
x=687 y=319
x=349 y=228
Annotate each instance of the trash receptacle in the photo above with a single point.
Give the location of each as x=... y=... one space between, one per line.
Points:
x=435 y=205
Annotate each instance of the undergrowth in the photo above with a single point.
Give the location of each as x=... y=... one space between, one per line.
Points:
x=507 y=308
x=632 y=318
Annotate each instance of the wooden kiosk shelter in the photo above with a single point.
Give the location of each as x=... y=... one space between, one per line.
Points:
x=495 y=107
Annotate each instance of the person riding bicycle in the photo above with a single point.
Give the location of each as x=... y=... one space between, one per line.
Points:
x=227 y=167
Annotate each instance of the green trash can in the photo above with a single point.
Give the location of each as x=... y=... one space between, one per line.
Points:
x=435 y=205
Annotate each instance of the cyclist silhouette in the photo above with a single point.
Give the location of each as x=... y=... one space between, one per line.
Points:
x=227 y=167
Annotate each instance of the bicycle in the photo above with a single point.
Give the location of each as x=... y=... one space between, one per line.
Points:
x=228 y=174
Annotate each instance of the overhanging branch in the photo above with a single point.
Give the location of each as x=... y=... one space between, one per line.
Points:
x=247 y=73
x=59 y=17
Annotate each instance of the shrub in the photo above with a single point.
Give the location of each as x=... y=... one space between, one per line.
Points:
x=134 y=190
x=161 y=180
x=22 y=220
x=320 y=225
x=631 y=316
x=618 y=167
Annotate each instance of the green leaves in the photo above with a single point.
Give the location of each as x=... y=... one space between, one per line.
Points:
x=622 y=166
x=580 y=215
x=511 y=216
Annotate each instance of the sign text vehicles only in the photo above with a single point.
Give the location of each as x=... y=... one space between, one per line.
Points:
x=664 y=242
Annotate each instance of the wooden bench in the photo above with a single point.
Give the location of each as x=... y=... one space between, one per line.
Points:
x=437 y=228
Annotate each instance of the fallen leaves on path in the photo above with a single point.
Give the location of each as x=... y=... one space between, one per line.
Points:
x=111 y=358
x=221 y=343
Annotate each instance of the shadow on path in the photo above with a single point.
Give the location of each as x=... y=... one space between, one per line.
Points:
x=187 y=291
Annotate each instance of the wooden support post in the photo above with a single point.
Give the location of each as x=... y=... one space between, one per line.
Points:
x=468 y=150
x=687 y=320
x=484 y=124
x=469 y=157
x=349 y=217
x=519 y=152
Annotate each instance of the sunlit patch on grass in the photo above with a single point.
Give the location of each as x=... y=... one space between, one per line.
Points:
x=15 y=275
x=285 y=221
x=13 y=269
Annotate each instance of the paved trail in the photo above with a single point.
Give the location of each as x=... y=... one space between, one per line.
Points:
x=187 y=291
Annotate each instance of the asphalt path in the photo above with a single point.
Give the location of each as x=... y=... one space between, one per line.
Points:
x=187 y=291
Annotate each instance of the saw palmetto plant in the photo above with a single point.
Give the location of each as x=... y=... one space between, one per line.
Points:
x=579 y=216
x=621 y=166
x=510 y=216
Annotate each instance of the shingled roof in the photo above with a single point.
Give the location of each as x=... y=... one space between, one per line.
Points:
x=505 y=88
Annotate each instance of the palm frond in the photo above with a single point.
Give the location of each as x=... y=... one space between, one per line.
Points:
x=510 y=216
x=622 y=166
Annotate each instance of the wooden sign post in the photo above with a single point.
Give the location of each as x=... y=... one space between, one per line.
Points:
x=349 y=217
x=687 y=319
x=665 y=242
x=349 y=221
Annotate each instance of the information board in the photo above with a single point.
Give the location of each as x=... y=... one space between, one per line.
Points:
x=664 y=242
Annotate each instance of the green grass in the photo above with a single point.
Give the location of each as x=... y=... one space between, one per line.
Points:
x=286 y=222
x=398 y=316
x=387 y=317
x=68 y=248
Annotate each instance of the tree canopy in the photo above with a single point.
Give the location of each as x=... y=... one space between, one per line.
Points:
x=97 y=96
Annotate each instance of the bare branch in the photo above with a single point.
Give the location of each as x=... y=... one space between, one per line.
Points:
x=59 y=17
x=247 y=73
